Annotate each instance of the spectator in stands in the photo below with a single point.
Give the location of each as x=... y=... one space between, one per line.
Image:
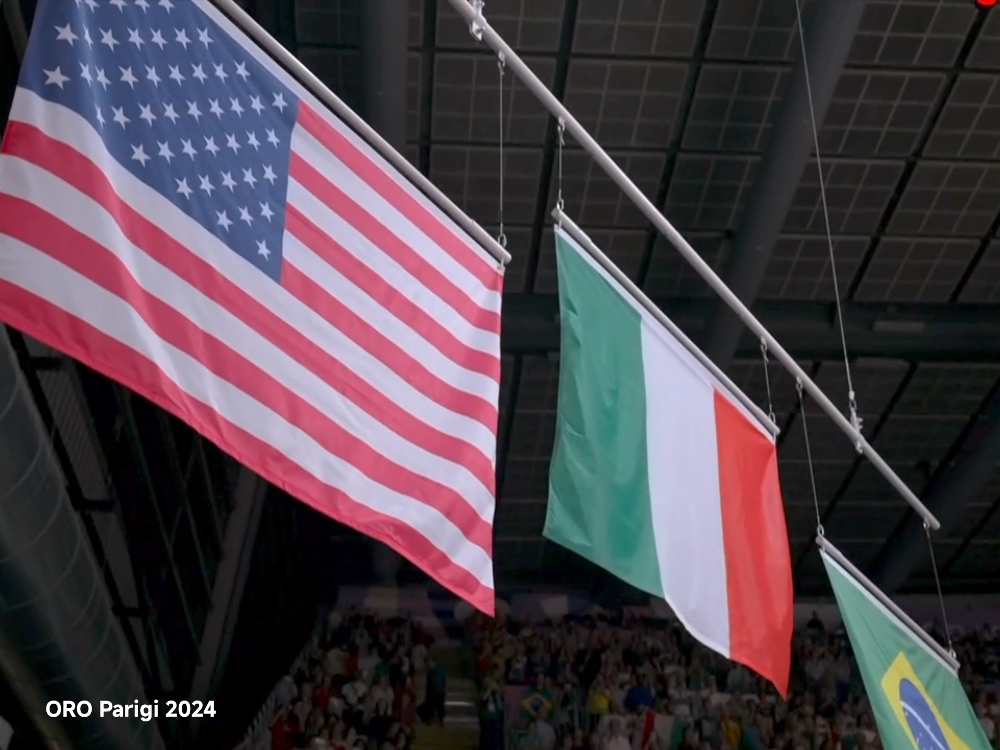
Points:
x=540 y=736
x=434 y=703
x=538 y=699
x=354 y=691
x=284 y=730
x=406 y=705
x=616 y=738
x=653 y=686
x=491 y=716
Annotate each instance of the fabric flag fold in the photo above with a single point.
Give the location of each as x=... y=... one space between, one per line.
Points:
x=659 y=476
x=917 y=698
x=180 y=214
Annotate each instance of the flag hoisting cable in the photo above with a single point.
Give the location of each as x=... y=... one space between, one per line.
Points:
x=827 y=548
x=481 y=29
x=856 y=420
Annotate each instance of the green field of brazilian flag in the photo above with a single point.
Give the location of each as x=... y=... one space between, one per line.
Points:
x=917 y=698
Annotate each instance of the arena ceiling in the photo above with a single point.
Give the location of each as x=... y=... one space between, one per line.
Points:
x=685 y=96
x=689 y=98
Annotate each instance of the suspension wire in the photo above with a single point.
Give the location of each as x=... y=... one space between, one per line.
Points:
x=767 y=382
x=937 y=582
x=501 y=67
x=856 y=420
x=561 y=142
x=809 y=457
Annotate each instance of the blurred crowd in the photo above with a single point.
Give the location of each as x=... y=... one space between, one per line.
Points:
x=363 y=685
x=604 y=684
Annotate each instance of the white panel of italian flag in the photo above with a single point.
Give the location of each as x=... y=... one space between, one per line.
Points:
x=661 y=477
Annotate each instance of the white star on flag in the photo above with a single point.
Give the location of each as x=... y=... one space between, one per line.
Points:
x=165 y=151
x=55 y=77
x=128 y=77
x=119 y=116
x=139 y=154
x=109 y=39
x=66 y=34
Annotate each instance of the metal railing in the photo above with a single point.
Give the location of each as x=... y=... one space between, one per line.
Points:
x=260 y=727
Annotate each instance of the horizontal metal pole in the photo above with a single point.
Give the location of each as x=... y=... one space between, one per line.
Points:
x=481 y=28
x=808 y=329
x=885 y=601
x=616 y=273
x=345 y=113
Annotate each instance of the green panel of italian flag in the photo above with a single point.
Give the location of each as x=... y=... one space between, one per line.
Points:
x=662 y=478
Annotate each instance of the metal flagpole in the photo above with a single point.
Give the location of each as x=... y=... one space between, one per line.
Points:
x=288 y=61
x=482 y=30
x=837 y=556
x=616 y=273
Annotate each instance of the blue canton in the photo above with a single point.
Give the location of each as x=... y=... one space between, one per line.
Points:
x=180 y=104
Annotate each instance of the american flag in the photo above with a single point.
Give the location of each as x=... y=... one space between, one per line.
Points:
x=177 y=212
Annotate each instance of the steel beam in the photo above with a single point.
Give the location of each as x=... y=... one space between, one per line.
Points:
x=828 y=37
x=963 y=479
x=385 y=57
x=15 y=23
x=915 y=333
x=249 y=494
x=59 y=636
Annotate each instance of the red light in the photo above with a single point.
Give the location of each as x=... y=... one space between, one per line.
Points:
x=986 y=3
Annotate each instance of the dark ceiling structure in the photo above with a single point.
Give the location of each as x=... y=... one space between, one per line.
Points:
x=213 y=577
x=705 y=106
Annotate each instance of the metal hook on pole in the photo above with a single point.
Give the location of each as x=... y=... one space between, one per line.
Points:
x=767 y=382
x=561 y=143
x=478 y=23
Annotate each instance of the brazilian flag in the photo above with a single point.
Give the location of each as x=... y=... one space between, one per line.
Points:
x=918 y=701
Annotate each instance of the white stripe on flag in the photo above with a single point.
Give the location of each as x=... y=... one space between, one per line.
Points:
x=686 y=506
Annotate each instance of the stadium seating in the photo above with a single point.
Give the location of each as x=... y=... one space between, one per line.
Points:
x=600 y=683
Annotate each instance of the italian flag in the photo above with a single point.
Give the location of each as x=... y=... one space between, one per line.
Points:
x=660 y=477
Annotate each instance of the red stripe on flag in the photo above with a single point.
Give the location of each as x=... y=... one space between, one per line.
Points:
x=33 y=226
x=755 y=537
x=32 y=145
x=42 y=320
x=379 y=235
x=359 y=163
x=401 y=306
x=432 y=440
